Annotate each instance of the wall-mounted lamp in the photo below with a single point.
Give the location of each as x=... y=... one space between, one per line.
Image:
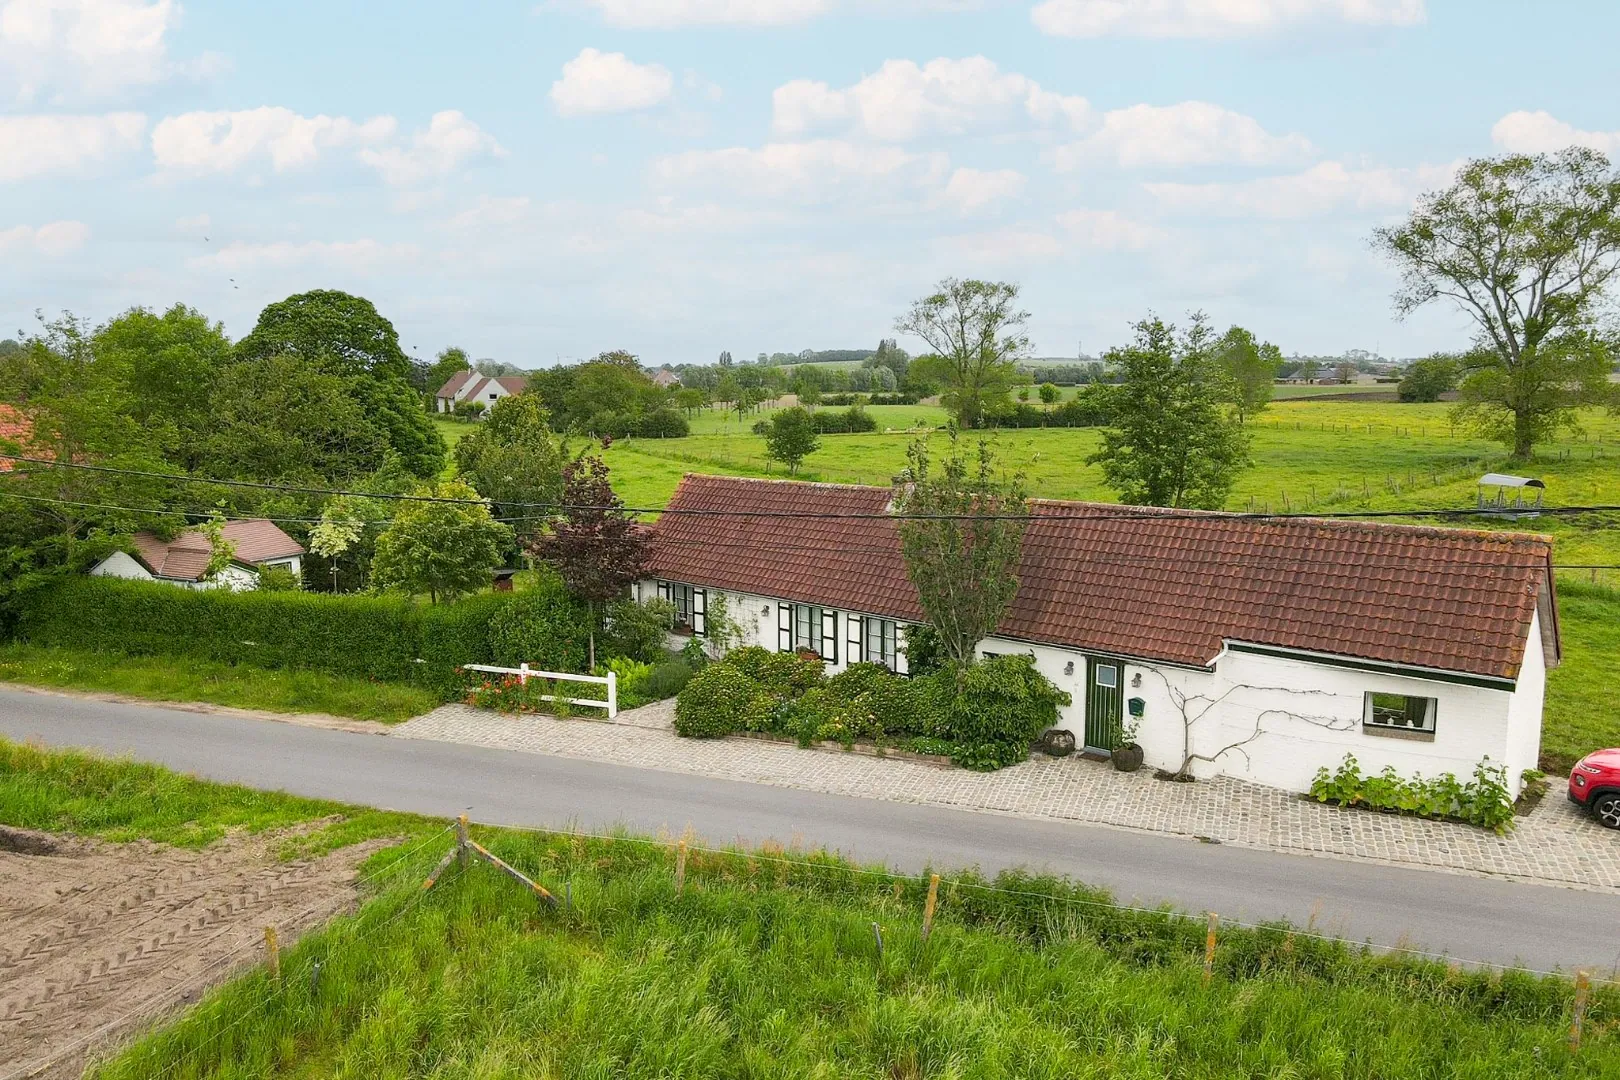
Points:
x=1068 y=669
x=1136 y=680
x=764 y=611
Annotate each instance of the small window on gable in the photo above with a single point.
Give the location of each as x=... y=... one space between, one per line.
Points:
x=1107 y=675
x=1399 y=712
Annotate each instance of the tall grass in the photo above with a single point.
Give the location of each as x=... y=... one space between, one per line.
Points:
x=765 y=968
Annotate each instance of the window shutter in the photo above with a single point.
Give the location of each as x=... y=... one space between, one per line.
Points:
x=700 y=610
x=857 y=629
x=784 y=628
x=901 y=663
x=829 y=636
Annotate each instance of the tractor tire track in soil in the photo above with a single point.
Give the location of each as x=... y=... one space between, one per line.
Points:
x=94 y=934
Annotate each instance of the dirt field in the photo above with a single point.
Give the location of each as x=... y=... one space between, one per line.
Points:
x=96 y=938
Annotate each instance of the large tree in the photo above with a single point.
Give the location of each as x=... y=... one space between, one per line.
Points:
x=790 y=437
x=975 y=332
x=594 y=546
x=1428 y=378
x=961 y=532
x=343 y=335
x=442 y=548
x=1250 y=367
x=169 y=365
x=513 y=460
x=1173 y=439
x=1527 y=246
x=280 y=417
x=449 y=361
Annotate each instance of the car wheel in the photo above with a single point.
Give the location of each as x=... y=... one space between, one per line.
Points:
x=1607 y=810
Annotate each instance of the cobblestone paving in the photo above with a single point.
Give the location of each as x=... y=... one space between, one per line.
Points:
x=1554 y=844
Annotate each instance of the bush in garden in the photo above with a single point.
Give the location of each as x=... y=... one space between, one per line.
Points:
x=544 y=627
x=1482 y=801
x=779 y=671
x=714 y=702
x=666 y=680
x=632 y=680
x=638 y=631
x=278 y=579
x=891 y=701
x=999 y=707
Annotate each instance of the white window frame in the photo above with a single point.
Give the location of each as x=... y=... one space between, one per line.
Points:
x=791 y=618
x=881 y=644
x=1370 y=718
x=697 y=604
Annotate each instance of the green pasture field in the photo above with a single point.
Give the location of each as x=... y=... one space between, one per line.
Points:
x=765 y=964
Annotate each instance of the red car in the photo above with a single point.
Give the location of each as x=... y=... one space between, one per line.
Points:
x=1594 y=783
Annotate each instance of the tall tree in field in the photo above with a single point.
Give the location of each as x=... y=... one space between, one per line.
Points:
x=450 y=361
x=975 y=331
x=513 y=460
x=1527 y=247
x=961 y=532
x=1173 y=439
x=790 y=437
x=445 y=549
x=1250 y=367
x=594 y=545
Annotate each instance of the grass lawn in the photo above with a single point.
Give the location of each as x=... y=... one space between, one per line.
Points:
x=1582 y=715
x=766 y=966
x=171 y=679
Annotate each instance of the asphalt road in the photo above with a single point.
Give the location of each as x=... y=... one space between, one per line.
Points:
x=1467 y=917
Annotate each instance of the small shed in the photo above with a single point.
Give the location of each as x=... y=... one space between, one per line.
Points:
x=503 y=580
x=1511 y=496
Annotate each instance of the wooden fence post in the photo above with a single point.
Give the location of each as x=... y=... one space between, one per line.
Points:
x=1578 y=1012
x=462 y=840
x=680 y=868
x=272 y=953
x=1209 y=947
x=928 y=907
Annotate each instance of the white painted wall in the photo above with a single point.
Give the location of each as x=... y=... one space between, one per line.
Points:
x=1309 y=714
x=121 y=564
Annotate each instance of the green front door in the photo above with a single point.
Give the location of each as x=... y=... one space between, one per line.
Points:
x=1104 y=711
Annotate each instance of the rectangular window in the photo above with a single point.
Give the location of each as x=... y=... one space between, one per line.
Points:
x=813 y=628
x=1107 y=675
x=881 y=646
x=690 y=605
x=1399 y=712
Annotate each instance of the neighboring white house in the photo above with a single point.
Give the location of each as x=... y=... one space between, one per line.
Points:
x=184 y=560
x=471 y=386
x=1264 y=649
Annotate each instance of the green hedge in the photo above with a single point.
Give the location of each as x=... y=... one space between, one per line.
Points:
x=389 y=639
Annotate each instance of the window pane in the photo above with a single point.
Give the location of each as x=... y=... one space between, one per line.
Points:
x=1107 y=675
x=1400 y=711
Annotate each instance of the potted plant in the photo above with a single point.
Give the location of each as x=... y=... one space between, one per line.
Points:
x=1126 y=754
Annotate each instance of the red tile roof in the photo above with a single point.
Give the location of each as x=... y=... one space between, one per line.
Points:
x=1168 y=586
x=15 y=427
x=457 y=381
x=186 y=556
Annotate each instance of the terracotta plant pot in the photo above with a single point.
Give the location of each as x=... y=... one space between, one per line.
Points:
x=1127 y=758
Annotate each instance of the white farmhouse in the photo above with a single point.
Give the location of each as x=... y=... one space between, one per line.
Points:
x=183 y=560
x=1264 y=649
x=471 y=386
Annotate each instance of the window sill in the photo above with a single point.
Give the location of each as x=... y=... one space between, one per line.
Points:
x=1397 y=733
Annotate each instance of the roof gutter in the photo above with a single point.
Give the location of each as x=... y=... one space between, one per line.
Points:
x=1408 y=671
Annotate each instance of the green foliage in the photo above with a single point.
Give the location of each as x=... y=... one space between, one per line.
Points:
x=281 y=416
x=278 y=579
x=366 y=637
x=1249 y=367
x=713 y=702
x=468 y=410
x=1482 y=801
x=638 y=631
x=999 y=708
x=925 y=653
x=975 y=333
x=1427 y=379
x=442 y=548
x=1528 y=247
x=790 y=437
x=513 y=460
x=790 y=672
x=545 y=627
x=1171 y=441
x=962 y=533
x=666 y=680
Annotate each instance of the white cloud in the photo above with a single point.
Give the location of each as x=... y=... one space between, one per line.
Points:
x=54 y=240
x=448 y=140
x=903 y=100
x=1525 y=132
x=344 y=254
x=1190 y=133
x=971 y=190
x=201 y=142
x=599 y=82
x=1327 y=188
x=806 y=172
x=491 y=211
x=62 y=50
x=1009 y=245
x=1214 y=18
x=1108 y=230
x=35 y=145
x=666 y=14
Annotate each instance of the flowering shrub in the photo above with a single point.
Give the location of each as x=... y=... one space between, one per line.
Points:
x=1482 y=801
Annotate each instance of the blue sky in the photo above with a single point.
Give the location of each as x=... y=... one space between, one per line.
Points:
x=677 y=177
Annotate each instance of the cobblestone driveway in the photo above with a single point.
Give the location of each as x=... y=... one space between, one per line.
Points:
x=1554 y=844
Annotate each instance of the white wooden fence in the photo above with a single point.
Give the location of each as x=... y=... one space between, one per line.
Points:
x=524 y=673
